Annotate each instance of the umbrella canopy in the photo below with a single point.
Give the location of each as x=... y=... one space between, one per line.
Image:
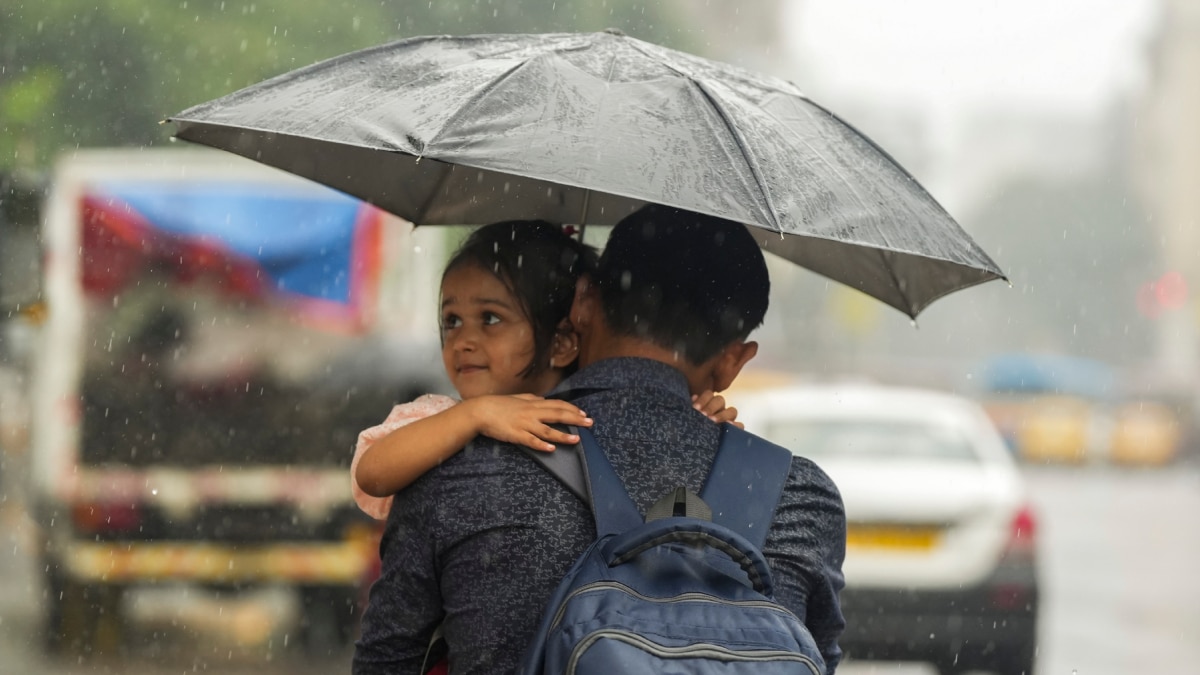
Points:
x=585 y=128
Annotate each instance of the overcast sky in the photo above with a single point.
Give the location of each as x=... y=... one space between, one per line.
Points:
x=1068 y=55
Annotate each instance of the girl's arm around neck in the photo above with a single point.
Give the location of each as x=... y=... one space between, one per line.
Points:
x=401 y=457
x=404 y=455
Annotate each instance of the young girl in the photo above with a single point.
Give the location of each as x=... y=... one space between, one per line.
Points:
x=506 y=294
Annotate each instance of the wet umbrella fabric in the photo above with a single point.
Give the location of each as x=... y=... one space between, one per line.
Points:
x=585 y=128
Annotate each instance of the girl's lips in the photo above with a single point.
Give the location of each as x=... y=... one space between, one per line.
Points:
x=467 y=370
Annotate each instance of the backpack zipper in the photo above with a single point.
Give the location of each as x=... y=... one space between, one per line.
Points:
x=699 y=651
x=694 y=596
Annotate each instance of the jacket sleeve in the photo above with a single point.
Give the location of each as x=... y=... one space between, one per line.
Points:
x=405 y=606
x=805 y=549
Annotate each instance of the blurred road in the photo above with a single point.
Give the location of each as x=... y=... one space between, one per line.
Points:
x=1119 y=554
x=1119 y=557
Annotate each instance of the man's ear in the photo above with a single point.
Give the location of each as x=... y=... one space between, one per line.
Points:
x=730 y=362
x=584 y=306
x=564 y=348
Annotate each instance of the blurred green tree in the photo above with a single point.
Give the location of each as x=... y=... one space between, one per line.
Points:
x=104 y=73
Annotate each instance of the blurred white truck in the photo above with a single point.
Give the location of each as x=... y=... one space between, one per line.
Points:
x=217 y=334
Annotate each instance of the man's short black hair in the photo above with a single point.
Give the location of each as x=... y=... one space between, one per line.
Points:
x=682 y=280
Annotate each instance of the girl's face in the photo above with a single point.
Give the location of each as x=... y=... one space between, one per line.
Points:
x=487 y=342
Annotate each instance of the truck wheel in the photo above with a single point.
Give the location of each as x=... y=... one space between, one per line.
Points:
x=329 y=619
x=82 y=620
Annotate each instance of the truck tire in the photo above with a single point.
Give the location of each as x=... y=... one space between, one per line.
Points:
x=329 y=619
x=82 y=620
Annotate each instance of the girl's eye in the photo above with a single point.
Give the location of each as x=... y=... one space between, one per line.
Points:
x=490 y=319
x=450 y=322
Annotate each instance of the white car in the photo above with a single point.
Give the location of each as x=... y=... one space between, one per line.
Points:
x=940 y=562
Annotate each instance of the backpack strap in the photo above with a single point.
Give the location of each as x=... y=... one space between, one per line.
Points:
x=745 y=483
x=612 y=507
x=584 y=469
x=742 y=489
x=565 y=464
x=566 y=461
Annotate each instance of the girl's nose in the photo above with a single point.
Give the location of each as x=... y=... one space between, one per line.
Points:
x=464 y=341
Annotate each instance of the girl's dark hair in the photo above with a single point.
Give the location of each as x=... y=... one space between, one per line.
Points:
x=539 y=264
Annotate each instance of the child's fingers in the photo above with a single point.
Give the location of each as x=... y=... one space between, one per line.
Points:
x=713 y=404
x=532 y=441
x=561 y=412
x=724 y=415
x=549 y=437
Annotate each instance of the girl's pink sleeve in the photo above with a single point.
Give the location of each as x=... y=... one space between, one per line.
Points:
x=405 y=413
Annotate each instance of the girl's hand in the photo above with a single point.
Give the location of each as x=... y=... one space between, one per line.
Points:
x=712 y=405
x=525 y=419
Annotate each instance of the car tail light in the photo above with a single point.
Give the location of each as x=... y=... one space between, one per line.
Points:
x=1023 y=536
x=1013 y=591
x=103 y=517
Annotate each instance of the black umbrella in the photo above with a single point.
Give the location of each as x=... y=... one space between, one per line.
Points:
x=585 y=128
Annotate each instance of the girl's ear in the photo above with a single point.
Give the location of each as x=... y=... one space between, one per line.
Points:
x=564 y=349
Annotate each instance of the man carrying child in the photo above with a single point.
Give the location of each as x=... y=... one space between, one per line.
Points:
x=478 y=544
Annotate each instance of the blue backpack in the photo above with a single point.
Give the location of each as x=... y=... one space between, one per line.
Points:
x=685 y=591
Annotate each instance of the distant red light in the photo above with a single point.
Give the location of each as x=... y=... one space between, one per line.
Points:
x=1171 y=290
x=1168 y=292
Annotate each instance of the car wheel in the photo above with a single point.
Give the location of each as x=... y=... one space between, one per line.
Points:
x=1015 y=660
x=950 y=667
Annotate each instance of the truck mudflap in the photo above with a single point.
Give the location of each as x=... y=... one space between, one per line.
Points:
x=328 y=563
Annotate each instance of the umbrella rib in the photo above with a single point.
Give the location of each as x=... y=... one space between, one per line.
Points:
x=474 y=100
x=744 y=148
x=423 y=210
x=729 y=126
x=883 y=260
x=983 y=260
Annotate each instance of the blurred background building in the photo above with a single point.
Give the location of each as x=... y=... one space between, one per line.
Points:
x=1168 y=175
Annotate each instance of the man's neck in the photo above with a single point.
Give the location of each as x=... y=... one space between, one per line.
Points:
x=606 y=345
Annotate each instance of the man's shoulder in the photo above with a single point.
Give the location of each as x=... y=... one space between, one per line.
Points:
x=807 y=472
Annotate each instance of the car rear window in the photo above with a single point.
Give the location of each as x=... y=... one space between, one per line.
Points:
x=876 y=440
